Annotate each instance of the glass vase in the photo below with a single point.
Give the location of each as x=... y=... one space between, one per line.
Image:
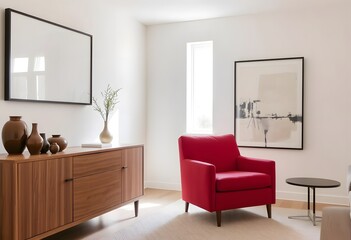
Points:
x=105 y=135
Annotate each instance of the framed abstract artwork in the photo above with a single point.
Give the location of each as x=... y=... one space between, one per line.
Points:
x=268 y=103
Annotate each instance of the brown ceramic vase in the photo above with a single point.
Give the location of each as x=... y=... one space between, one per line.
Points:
x=61 y=141
x=34 y=141
x=54 y=148
x=14 y=135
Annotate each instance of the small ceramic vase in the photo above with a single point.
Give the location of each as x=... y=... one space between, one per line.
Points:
x=14 y=135
x=54 y=148
x=61 y=141
x=34 y=141
x=46 y=144
x=105 y=135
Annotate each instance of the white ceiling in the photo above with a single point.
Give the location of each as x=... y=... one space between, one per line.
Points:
x=150 y=12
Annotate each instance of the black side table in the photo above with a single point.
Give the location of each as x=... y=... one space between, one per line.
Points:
x=312 y=183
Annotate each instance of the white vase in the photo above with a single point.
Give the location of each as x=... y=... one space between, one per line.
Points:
x=105 y=135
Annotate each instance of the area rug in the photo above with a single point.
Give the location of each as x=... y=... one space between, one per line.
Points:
x=172 y=223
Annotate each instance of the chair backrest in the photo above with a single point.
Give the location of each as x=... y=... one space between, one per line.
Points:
x=221 y=151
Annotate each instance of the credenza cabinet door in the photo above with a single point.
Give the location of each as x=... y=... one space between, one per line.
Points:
x=132 y=173
x=44 y=196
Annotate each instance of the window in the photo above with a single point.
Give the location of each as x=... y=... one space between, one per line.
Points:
x=199 y=87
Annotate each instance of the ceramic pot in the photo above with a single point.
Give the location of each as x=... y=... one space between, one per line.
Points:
x=61 y=141
x=105 y=135
x=46 y=144
x=54 y=148
x=14 y=135
x=34 y=141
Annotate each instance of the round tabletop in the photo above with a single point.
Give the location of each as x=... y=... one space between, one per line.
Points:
x=313 y=182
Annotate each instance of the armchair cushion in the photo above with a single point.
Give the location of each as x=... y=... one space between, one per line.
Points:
x=240 y=181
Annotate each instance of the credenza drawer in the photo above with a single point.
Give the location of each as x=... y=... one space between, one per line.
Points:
x=96 y=193
x=96 y=163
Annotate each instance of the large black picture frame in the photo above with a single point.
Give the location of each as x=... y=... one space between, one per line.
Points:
x=46 y=61
x=268 y=103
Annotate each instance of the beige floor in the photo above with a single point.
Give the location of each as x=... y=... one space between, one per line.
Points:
x=149 y=204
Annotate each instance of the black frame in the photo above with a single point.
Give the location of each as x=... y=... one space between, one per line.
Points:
x=8 y=56
x=261 y=75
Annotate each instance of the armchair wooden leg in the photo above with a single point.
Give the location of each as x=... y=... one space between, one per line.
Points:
x=269 y=210
x=136 y=208
x=186 y=206
x=219 y=218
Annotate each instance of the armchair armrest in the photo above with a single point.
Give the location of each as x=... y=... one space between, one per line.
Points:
x=198 y=183
x=256 y=165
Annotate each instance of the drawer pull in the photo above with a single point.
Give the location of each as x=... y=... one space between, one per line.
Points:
x=68 y=179
x=125 y=167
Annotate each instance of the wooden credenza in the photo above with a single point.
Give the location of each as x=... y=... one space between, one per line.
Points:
x=43 y=194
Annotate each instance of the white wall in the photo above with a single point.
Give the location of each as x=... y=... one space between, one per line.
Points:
x=321 y=35
x=118 y=59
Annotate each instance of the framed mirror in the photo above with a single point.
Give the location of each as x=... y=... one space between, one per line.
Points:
x=45 y=61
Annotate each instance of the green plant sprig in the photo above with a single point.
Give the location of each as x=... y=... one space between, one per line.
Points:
x=110 y=98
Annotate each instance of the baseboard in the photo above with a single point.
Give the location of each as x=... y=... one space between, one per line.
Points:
x=162 y=185
x=320 y=198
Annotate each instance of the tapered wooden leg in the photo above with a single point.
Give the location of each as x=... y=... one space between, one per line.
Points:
x=136 y=208
x=219 y=218
x=269 y=210
x=186 y=206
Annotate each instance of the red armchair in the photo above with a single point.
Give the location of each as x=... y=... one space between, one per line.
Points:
x=215 y=177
